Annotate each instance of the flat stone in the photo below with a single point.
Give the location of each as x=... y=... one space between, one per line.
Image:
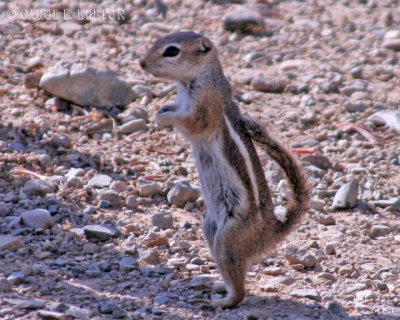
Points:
x=37 y=218
x=38 y=187
x=393 y=202
x=86 y=86
x=162 y=220
x=148 y=188
x=97 y=232
x=306 y=293
x=346 y=196
x=182 y=192
x=295 y=256
x=379 y=230
x=133 y=126
x=8 y=242
x=100 y=181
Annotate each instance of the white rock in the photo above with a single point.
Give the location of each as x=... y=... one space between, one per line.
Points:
x=86 y=86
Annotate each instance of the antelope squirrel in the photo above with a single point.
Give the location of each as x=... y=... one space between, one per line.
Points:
x=240 y=225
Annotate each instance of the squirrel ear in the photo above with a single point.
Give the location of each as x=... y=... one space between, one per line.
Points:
x=205 y=45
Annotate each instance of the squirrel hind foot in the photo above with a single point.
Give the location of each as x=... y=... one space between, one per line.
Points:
x=230 y=301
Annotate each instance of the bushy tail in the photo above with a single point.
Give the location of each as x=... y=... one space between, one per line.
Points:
x=300 y=190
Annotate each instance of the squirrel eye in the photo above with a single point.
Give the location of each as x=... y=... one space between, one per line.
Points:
x=171 y=51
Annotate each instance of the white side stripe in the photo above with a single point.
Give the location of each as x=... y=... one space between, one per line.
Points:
x=246 y=157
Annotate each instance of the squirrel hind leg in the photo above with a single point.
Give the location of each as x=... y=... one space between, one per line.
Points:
x=233 y=270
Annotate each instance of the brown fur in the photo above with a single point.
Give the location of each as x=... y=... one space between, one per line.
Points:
x=240 y=225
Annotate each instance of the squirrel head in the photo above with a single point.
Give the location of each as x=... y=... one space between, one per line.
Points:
x=180 y=57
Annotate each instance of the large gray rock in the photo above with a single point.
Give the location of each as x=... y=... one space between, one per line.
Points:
x=8 y=242
x=346 y=196
x=37 y=218
x=86 y=86
x=182 y=192
x=38 y=187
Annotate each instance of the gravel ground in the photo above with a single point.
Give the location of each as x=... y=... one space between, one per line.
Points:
x=100 y=212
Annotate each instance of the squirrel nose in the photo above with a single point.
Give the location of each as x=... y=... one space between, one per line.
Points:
x=142 y=63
